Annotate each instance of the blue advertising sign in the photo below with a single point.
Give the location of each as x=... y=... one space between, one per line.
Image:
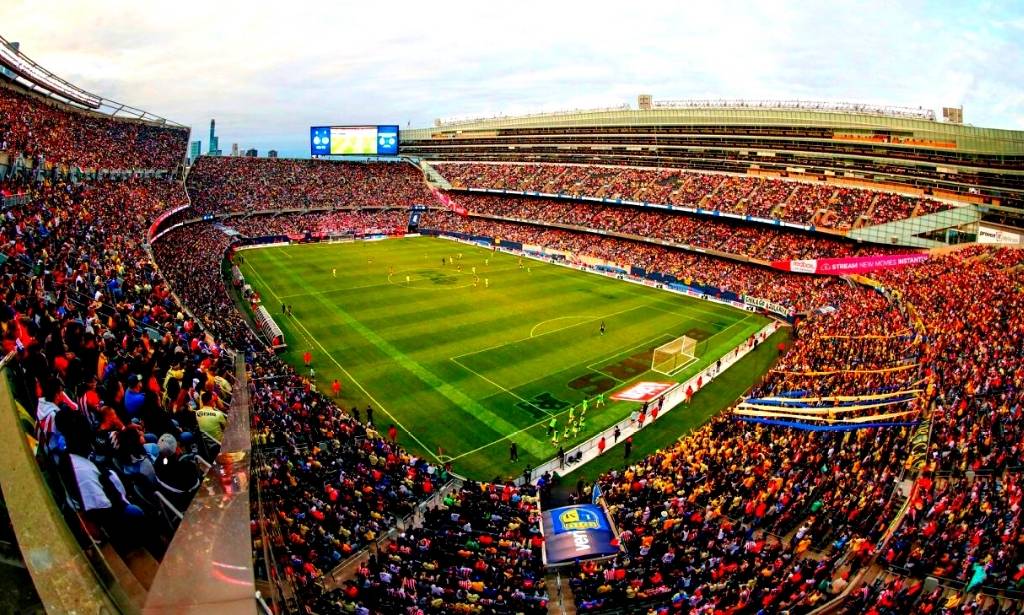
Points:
x=579 y=532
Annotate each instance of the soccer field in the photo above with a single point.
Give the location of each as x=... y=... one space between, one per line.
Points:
x=468 y=369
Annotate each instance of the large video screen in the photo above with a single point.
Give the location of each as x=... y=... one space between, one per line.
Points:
x=353 y=140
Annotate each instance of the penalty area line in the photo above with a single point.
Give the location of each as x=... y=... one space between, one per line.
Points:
x=471 y=370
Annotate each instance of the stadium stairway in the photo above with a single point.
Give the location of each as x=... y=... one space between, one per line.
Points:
x=561 y=600
x=907 y=231
x=434 y=178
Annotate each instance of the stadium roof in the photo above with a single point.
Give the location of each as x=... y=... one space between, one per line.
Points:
x=30 y=75
x=913 y=123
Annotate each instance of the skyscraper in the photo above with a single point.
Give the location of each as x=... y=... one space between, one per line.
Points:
x=234 y=149
x=195 y=150
x=272 y=153
x=214 y=142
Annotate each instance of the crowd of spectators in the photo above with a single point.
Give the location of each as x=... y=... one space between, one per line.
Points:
x=478 y=552
x=744 y=517
x=799 y=292
x=332 y=483
x=43 y=130
x=964 y=522
x=127 y=392
x=756 y=196
x=894 y=594
x=329 y=483
x=238 y=184
x=324 y=223
x=747 y=240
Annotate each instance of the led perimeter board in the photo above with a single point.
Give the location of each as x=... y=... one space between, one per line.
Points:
x=353 y=140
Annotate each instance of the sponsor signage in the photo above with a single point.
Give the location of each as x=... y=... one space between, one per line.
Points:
x=643 y=391
x=988 y=234
x=574 y=533
x=853 y=264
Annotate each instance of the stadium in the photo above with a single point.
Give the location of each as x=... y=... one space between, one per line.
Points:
x=680 y=356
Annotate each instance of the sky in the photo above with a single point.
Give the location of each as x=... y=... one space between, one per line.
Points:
x=267 y=73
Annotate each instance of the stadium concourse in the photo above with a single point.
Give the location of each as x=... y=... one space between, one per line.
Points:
x=875 y=468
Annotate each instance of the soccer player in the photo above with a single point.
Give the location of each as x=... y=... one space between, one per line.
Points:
x=474 y=269
x=307 y=358
x=583 y=410
x=312 y=374
x=572 y=413
x=442 y=261
x=487 y=262
x=334 y=271
x=336 y=387
x=487 y=282
x=476 y=281
x=406 y=280
x=513 y=452
x=602 y=327
x=553 y=425
x=600 y=400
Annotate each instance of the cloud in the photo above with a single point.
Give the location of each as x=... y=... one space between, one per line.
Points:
x=267 y=72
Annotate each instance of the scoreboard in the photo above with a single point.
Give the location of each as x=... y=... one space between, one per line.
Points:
x=353 y=140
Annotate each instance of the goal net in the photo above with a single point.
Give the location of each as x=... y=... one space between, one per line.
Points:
x=675 y=355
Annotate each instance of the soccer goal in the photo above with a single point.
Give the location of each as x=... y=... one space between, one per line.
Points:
x=671 y=357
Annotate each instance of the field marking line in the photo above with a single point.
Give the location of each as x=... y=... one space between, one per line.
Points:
x=679 y=368
x=522 y=399
x=460 y=399
x=309 y=336
x=606 y=358
x=524 y=339
x=542 y=422
x=553 y=320
x=726 y=309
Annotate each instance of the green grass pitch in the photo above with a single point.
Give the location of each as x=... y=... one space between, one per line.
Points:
x=468 y=369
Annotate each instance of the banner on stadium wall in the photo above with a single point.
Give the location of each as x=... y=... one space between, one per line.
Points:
x=643 y=391
x=580 y=532
x=593 y=261
x=989 y=234
x=159 y=219
x=764 y=304
x=447 y=201
x=852 y=264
